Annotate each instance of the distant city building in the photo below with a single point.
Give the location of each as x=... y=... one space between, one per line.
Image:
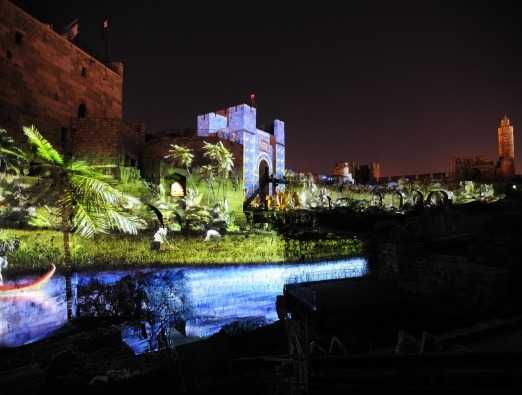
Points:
x=477 y=168
x=342 y=173
x=425 y=177
x=353 y=172
x=506 y=149
x=474 y=168
x=376 y=171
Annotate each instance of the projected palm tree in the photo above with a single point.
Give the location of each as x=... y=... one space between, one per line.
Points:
x=85 y=197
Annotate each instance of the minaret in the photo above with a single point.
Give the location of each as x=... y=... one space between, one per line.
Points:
x=506 y=148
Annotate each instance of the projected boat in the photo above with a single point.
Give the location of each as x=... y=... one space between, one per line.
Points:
x=9 y=289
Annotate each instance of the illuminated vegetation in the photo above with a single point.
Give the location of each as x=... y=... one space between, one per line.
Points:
x=39 y=248
x=85 y=199
x=304 y=192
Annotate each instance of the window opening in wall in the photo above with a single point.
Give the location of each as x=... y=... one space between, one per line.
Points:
x=84 y=72
x=82 y=111
x=19 y=37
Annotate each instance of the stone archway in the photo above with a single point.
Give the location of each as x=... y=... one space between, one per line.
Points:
x=264 y=174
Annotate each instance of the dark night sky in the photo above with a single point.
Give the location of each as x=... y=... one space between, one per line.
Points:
x=406 y=86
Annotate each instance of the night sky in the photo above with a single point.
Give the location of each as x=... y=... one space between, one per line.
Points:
x=403 y=85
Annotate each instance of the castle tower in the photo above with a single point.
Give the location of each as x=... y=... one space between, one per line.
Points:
x=376 y=171
x=263 y=152
x=279 y=133
x=506 y=148
x=242 y=122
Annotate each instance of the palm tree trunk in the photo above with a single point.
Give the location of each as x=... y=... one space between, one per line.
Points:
x=66 y=248
x=67 y=265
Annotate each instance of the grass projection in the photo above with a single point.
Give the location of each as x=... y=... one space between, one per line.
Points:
x=39 y=248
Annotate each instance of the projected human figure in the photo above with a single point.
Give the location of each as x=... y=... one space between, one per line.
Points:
x=5 y=247
x=3 y=265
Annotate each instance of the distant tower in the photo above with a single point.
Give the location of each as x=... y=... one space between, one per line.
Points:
x=342 y=171
x=376 y=171
x=506 y=149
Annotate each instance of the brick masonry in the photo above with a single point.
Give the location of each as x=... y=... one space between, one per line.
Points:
x=45 y=79
x=106 y=137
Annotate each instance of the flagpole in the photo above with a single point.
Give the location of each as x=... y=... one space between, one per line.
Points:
x=105 y=33
x=72 y=31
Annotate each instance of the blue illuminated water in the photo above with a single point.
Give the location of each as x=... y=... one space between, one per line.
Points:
x=205 y=298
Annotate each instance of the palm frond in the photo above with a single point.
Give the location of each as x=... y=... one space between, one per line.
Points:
x=88 y=221
x=44 y=150
x=181 y=155
x=124 y=222
x=83 y=168
x=87 y=199
x=221 y=156
x=67 y=199
x=12 y=158
x=14 y=153
x=95 y=190
x=210 y=150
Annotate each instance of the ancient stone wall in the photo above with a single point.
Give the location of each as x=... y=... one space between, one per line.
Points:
x=45 y=79
x=106 y=137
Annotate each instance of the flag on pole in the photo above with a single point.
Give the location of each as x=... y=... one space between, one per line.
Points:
x=105 y=37
x=72 y=30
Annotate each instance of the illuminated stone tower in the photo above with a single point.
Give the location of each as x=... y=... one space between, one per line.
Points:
x=263 y=151
x=506 y=149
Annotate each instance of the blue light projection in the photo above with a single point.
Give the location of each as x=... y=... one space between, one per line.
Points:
x=238 y=124
x=31 y=316
x=205 y=298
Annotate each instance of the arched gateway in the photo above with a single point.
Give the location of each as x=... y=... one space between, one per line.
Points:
x=264 y=174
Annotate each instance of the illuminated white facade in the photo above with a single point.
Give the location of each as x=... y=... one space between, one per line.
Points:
x=239 y=124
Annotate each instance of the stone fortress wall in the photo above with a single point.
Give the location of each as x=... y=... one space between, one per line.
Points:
x=73 y=98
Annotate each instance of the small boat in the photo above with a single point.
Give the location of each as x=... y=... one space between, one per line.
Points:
x=27 y=286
